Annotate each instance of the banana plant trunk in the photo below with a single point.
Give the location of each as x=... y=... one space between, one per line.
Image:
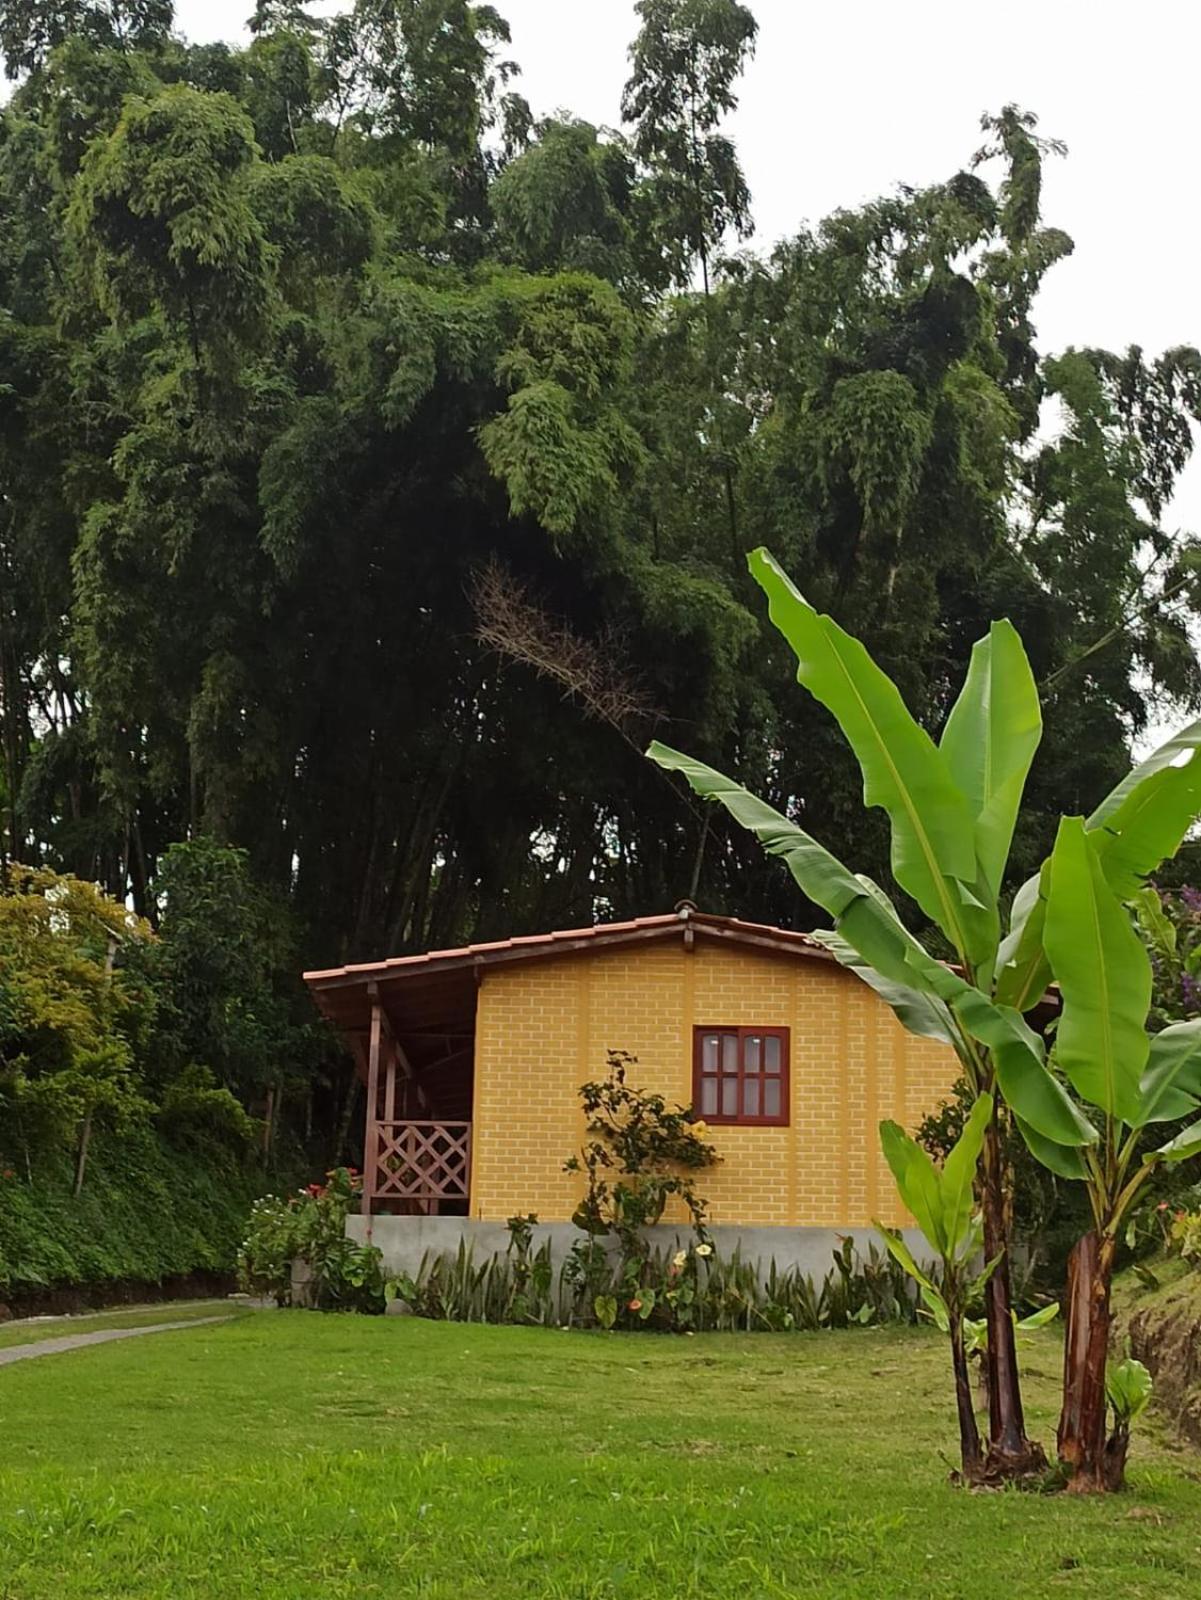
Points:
x=1010 y=1452
x=1082 y=1445
x=970 y=1453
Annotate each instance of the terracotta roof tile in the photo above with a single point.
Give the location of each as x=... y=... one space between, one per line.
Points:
x=540 y=944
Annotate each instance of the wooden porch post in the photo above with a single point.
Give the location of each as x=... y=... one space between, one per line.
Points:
x=390 y=1080
x=371 y=1139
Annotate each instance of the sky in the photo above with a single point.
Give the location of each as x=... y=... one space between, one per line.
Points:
x=844 y=102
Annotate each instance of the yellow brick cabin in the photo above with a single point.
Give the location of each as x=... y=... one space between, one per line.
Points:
x=472 y=1061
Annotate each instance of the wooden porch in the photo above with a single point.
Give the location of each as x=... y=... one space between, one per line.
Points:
x=416 y=1161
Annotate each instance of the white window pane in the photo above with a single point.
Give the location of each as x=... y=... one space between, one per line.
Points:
x=708 y=1097
x=772 y=1053
x=709 y=1047
x=771 y=1098
x=754 y=1052
x=729 y=1051
x=729 y=1097
x=750 y=1097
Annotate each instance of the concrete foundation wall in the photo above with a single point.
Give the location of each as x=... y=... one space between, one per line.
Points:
x=403 y=1241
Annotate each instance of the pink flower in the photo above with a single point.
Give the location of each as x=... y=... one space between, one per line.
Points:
x=1162 y=1206
x=634 y=1305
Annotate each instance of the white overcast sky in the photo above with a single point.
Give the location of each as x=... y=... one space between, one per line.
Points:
x=843 y=102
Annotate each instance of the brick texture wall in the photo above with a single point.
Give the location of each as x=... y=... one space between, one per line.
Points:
x=544 y=1028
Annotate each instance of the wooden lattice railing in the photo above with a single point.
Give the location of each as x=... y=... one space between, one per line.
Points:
x=423 y=1161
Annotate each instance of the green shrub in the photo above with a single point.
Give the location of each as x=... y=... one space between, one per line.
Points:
x=310 y=1226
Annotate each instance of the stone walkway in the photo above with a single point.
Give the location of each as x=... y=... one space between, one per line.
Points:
x=77 y=1341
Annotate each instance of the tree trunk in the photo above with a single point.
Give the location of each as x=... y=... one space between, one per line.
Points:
x=969 y=1434
x=81 y=1158
x=268 y=1122
x=1010 y=1452
x=1085 y=1349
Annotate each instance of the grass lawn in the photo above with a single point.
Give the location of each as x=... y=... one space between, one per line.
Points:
x=34 y=1331
x=290 y=1455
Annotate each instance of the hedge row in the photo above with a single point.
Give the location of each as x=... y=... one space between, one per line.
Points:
x=149 y=1210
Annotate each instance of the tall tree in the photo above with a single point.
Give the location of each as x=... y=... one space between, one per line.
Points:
x=686 y=60
x=31 y=29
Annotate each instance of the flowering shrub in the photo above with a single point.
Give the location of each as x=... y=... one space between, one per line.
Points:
x=639 y=1152
x=1184 y=1234
x=310 y=1226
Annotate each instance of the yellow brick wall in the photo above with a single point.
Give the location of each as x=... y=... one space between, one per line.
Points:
x=543 y=1029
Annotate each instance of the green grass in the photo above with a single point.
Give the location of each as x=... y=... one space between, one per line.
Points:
x=34 y=1332
x=288 y=1455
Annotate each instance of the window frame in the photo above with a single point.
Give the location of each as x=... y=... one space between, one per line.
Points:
x=740 y=1120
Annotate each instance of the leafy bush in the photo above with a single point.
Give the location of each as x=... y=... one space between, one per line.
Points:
x=196 y=1101
x=310 y=1227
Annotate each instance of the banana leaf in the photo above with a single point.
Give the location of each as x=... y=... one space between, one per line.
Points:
x=1149 y=825
x=1030 y=1090
x=917 y=1183
x=904 y=772
x=1171 y=1085
x=1167 y=755
x=989 y=742
x=921 y=1013
x=1104 y=976
x=1061 y=1159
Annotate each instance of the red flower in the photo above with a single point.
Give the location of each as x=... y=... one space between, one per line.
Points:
x=8 y=1173
x=634 y=1305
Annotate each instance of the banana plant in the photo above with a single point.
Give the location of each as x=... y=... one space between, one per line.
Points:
x=952 y=808
x=942 y=1203
x=1128 y=1388
x=1133 y=1081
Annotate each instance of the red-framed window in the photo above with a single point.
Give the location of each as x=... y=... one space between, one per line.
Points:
x=740 y=1075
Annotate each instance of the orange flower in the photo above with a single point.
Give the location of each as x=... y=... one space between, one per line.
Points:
x=634 y=1305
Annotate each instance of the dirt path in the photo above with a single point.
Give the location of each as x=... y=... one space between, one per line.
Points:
x=77 y=1341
